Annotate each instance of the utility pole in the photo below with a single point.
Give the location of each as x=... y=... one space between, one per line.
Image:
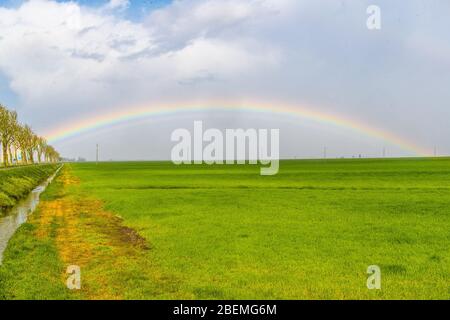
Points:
x=435 y=151
x=96 y=156
x=325 y=152
x=384 y=152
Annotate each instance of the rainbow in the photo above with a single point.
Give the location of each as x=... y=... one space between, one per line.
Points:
x=300 y=112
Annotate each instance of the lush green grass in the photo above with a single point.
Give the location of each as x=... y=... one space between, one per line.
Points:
x=17 y=182
x=225 y=232
x=31 y=265
x=31 y=268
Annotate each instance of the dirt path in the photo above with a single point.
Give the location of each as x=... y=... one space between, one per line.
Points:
x=110 y=255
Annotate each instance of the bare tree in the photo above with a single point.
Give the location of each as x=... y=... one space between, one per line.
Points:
x=14 y=136
x=8 y=125
x=42 y=145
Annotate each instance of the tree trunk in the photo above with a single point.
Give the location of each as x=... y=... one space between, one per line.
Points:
x=11 y=157
x=31 y=158
x=23 y=154
x=5 y=154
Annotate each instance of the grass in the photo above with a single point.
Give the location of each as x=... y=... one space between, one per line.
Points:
x=152 y=230
x=19 y=181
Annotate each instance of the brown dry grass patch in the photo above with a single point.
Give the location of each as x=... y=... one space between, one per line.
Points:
x=90 y=237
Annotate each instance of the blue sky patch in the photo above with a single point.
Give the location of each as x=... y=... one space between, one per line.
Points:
x=136 y=10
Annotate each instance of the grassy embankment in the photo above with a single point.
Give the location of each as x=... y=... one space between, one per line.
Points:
x=16 y=182
x=155 y=230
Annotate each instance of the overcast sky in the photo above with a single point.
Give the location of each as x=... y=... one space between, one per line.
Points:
x=61 y=62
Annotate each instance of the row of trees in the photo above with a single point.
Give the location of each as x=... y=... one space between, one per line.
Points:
x=17 y=139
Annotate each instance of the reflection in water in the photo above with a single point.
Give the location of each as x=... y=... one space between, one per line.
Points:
x=12 y=219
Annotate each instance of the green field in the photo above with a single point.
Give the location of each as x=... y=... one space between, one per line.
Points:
x=153 y=230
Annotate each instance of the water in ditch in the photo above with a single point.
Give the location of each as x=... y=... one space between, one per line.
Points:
x=11 y=220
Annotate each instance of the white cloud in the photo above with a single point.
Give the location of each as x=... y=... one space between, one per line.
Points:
x=55 y=52
x=74 y=60
x=117 y=4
